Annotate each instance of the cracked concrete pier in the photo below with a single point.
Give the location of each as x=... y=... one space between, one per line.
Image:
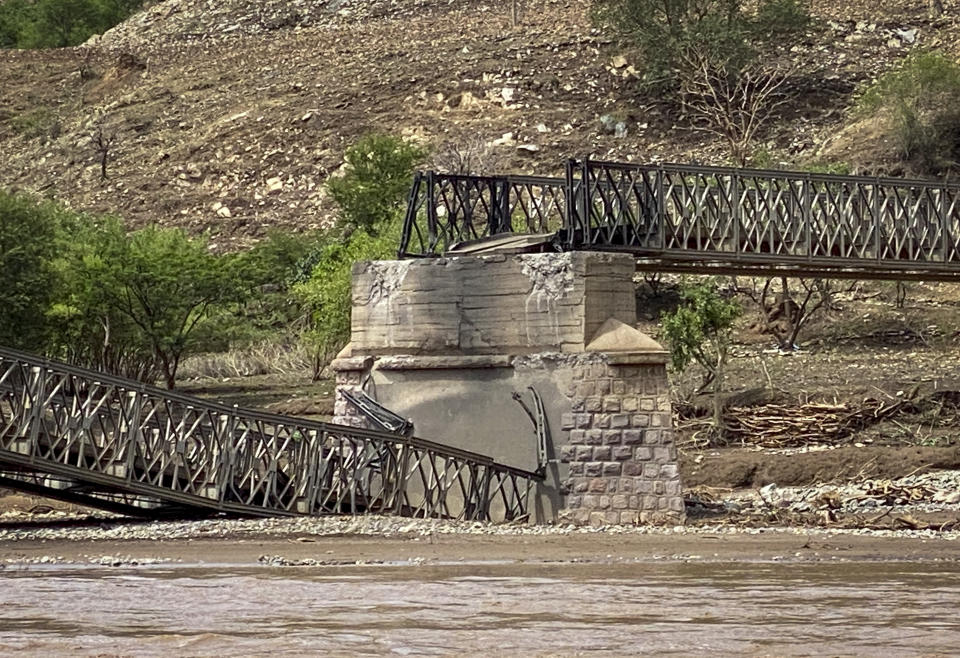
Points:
x=449 y=343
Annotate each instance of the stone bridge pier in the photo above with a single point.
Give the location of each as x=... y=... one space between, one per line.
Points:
x=462 y=346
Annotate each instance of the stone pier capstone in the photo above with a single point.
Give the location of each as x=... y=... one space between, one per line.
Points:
x=450 y=342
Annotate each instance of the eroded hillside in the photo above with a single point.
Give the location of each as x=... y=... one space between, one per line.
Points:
x=229 y=116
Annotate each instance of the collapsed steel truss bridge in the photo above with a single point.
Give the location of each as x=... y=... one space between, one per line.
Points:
x=699 y=219
x=107 y=442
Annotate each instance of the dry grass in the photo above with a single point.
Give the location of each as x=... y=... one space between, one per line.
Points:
x=264 y=358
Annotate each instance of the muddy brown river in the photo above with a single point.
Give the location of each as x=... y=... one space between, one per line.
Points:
x=509 y=609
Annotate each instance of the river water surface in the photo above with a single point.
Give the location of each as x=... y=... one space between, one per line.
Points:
x=500 y=609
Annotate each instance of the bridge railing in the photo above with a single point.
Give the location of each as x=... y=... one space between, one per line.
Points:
x=96 y=428
x=695 y=212
x=445 y=209
x=756 y=214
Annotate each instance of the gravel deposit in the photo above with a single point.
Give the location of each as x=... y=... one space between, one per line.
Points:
x=303 y=528
x=928 y=492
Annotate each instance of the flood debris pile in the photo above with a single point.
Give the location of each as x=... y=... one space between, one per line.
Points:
x=918 y=501
x=781 y=425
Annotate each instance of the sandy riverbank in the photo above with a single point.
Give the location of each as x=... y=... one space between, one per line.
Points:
x=374 y=540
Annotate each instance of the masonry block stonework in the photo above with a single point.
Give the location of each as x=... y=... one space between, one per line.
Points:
x=455 y=344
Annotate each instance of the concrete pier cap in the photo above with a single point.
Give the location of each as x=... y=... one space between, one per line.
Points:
x=451 y=343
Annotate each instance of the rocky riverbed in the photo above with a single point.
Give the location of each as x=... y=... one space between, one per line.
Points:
x=929 y=500
x=342 y=541
x=917 y=514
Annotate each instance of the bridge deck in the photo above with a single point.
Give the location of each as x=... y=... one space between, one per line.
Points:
x=87 y=437
x=703 y=219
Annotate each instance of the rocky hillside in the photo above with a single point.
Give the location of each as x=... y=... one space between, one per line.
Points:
x=228 y=116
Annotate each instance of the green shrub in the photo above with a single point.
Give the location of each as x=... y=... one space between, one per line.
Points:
x=374 y=189
x=724 y=32
x=775 y=19
x=272 y=314
x=372 y=196
x=38 y=122
x=15 y=15
x=829 y=168
x=58 y=23
x=700 y=331
x=326 y=293
x=920 y=101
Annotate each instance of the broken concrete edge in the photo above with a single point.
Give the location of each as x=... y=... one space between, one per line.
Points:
x=349 y=363
x=455 y=260
x=468 y=362
x=489 y=305
x=411 y=362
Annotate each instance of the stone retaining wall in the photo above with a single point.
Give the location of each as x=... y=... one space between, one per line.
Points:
x=620 y=450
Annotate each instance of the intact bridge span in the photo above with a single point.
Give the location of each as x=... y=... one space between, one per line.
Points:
x=698 y=219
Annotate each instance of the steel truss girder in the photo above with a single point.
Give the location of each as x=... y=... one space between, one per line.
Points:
x=734 y=220
x=121 y=443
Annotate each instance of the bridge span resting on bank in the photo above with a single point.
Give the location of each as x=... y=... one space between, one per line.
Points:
x=89 y=438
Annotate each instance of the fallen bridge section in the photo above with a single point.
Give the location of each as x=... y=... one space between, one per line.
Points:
x=86 y=437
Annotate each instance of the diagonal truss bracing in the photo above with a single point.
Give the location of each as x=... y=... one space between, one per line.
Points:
x=99 y=440
x=679 y=217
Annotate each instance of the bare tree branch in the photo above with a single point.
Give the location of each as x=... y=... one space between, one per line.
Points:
x=784 y=316
x=102 y=142
x=731 y=102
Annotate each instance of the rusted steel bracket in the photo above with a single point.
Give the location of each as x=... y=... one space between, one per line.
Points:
x=539 y=420
x=378 y=414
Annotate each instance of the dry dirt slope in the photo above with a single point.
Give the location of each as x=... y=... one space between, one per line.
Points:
x=229 y=116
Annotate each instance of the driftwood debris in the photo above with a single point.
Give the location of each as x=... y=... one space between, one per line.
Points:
x=783 y=426
x=752 y=419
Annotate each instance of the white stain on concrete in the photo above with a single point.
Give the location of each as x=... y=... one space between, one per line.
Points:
x=552 y=278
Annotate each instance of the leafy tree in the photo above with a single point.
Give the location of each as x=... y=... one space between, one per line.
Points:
x=372 y=197
x=14 y=17
x=171 y=287
x=919 y=101
x=89 y=330
x=80 y=288
x=700 y=331
x=375 y=186
x=136 y=304
x=27 y=246
x=65 y=22
x=58 y=23
x=731 y=32
x=714 y=54
x=272 y=268
x=276 y=262
x=326 y=294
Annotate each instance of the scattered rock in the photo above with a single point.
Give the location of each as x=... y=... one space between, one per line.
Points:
x=614 y=126
x=908 y=37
